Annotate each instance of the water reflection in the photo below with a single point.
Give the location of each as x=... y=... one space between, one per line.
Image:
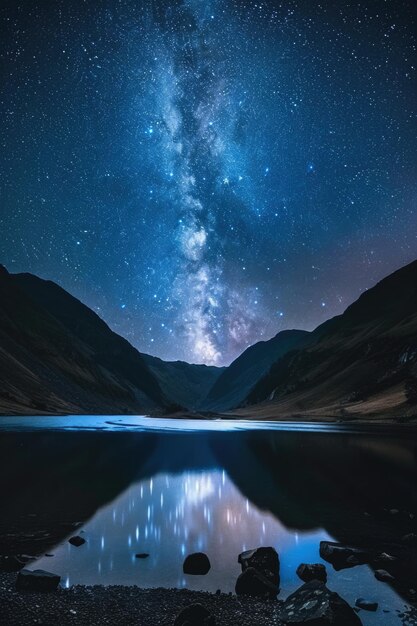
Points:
x=170 y=516
x=169 y=494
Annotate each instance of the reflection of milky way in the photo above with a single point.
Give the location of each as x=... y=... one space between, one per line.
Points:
x=170 y=516
x=205 y=173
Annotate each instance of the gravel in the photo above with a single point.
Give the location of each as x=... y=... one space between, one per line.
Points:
x=122 y=605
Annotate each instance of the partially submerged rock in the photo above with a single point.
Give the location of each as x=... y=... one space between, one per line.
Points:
x=312 y=571
x=260 y=573
x=366 y=605
x=251 y=582
x=264 y=560
x=197 y=564
x=76 y=541
x=384 y=576
x=37 y=580
x=341 y=556
x=195 y=615
x=314 y=603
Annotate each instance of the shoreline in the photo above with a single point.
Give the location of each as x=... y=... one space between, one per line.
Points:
x=299 y=423
x=99 y=604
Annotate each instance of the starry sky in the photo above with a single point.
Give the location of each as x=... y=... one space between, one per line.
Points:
x=206 y=173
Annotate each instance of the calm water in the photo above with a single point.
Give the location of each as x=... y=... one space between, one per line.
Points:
x=170 y=488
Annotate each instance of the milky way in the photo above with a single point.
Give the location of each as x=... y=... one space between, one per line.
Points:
x=206 y=173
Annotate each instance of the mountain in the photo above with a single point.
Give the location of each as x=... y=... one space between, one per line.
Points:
x=236 y=382
x=58 y=356
x=183 y=383
x=361 y=363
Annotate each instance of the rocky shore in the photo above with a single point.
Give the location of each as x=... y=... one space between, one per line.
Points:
x=34 y=596
x=124 y=605
x=100 y=605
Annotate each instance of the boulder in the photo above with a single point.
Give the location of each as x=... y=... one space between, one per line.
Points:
x=251 y=582
x=264 y=560
x=410 y=539
x=195 y=615
x=384 y=576
x=366 y=605
x=197 y=564
x=312 y=571
x=314 y=603
x=36 y=580
x=384 y=557
x=76 y=541
x=341 y=556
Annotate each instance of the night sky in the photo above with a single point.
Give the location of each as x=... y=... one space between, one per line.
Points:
x=205 y=173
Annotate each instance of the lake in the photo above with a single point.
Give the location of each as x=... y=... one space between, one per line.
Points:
x=168 y=488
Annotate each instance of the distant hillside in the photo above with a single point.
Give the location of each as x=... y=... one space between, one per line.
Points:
x=363 y=362
x=58 y=356
x=236 y=382
x=183 y=383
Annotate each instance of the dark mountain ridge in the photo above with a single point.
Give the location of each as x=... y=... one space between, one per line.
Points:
x=363 y=361
x=58 y=356
x=236 y=381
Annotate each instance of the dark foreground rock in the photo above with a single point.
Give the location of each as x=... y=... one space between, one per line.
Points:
x=128 y=606
x=314 y=603
x=37 y=580
x=312 y=571
x=76 y=541
x=264 y=560
x=195 y=615
x=197 y=564
x=341 y=556
x=366 y=605
x=384 y=576
x=253 y=583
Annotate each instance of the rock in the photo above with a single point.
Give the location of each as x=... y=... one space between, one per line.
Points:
x=264 y=560
x=195 y=615
x=384 y=558
x=251 y=582
x=36 y=580
x=366 y=605
x=15 y=562
x=341 y=556
x=196 y=564
x=314 y=603
x=384 y=576
x=76 y=541
x=312 y=571
x=410 y=539
x=142 y=555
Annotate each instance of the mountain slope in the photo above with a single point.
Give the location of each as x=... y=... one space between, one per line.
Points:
x=184 y=383
x=58 y=356
x=236 y=381
x=361 y=362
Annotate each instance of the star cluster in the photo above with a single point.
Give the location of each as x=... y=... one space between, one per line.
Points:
x=205 y=173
